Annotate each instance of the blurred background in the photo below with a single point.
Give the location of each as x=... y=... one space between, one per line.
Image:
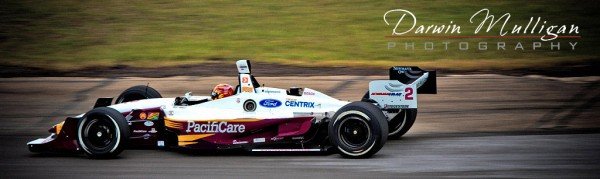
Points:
x=71 y=35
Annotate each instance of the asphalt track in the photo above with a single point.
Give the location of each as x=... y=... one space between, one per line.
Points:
x=477 y=126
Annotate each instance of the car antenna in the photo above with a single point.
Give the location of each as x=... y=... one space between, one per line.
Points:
x=146 y=92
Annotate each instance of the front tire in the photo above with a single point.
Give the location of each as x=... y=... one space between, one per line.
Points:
x=358 y=130
x=103 y=133
x=137 y=93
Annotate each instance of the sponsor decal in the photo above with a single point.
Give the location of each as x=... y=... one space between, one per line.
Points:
x=149 y=123
x=402 y=69
x=268 y=91
x=276 y=138
x=395 y=106
x=308 y=93
x=237 y=100
x=298 y=138
x=153 y=130
x=160 y=143
x=153 y=116
x=270 y=103
x=301 y=104
x=215 y=127
x=142 y=115
x=311 y=114
x=239 y=142
x=140 y=131
x=247 y=89
x=243 y=67
x=146 y=136
x=258 y=140
x=385 y=94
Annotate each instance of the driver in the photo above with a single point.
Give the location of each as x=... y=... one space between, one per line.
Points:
x=221 y=91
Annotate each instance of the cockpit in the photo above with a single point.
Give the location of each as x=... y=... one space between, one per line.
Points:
x=247 y=84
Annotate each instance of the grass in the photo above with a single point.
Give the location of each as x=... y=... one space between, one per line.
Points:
x=65 y=35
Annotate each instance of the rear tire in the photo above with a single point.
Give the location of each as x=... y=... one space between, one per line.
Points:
x=137 y=93
x=103 y=133
x=358 y=130
x=401 y=123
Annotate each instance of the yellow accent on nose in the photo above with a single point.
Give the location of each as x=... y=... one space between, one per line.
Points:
x=171 y=124
x=190 y=139
x=58 y=127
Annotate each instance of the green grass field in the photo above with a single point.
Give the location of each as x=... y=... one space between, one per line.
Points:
x=64 y=35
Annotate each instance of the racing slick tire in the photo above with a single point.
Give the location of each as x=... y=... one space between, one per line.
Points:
x=137 y=93
x=102 y=133
x=401 y=123
x=358 y=130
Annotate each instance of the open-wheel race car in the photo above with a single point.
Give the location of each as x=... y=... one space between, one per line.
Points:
x=252 y=117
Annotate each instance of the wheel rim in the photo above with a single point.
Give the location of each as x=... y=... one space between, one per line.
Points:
x=354 y=132
x=99 y=133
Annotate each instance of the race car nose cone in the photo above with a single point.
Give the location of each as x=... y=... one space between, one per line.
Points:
x=99 y=134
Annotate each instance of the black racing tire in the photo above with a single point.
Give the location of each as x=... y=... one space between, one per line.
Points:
x=103 y=133
x=358 y=130
x=401 y=123
x=366 y=98
x=137 y=93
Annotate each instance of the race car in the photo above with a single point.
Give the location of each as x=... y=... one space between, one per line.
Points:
x=248 y=117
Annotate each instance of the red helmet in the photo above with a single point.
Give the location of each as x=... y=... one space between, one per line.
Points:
x=222 y=91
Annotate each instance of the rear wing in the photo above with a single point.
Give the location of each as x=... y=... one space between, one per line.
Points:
x=408 y=75
x=400 y=91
